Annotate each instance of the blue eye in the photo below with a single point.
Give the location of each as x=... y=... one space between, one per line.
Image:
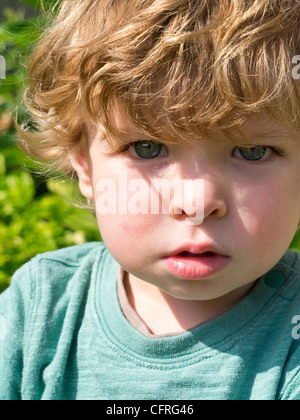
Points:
x=252 y=153
x=146 y=149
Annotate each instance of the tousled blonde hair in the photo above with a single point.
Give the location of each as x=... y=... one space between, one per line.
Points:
x=183 y=66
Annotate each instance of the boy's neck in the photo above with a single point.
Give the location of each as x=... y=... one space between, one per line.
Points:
x=165 y=314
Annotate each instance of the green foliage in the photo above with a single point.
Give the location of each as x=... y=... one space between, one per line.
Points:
x=295 y=245
x=38 y=4
x=36 y=215
x=32 y=223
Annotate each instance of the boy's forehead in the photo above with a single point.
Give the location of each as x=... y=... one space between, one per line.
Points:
x=265 y=128
x=254 y=129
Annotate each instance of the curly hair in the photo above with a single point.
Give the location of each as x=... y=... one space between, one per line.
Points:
x=180 y=66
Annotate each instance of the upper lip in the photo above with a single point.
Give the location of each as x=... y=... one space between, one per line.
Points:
x=196 y=249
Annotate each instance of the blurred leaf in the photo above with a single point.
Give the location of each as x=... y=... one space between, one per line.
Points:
x=37 y=4
x=295 y=245
x=35 y=216
x=2 y=165
x=63 y=189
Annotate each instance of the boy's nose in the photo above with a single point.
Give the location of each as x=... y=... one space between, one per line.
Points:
x=198 y=200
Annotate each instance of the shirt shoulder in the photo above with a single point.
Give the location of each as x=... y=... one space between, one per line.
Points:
x=54 y=269
x=292 y=260
x=47 y=279
x=40 y=312
x=73 y=255
x=289 y=266
x=51 y=278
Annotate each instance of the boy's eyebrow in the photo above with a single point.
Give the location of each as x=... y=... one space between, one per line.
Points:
x=258 y=133
x=269 y=134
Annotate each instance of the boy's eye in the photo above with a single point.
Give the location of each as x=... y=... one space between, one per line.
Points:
x=146 y=149
x=252 y=153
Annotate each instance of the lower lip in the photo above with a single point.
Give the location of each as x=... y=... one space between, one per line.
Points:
x=197 y=267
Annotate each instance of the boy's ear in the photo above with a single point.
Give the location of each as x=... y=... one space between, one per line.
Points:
x=80 y=165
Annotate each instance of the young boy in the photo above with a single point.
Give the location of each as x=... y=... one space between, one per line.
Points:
x=181 y=121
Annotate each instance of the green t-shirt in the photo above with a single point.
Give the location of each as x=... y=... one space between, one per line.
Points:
x=63 y=336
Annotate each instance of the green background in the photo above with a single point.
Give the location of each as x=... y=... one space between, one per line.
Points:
x=36 y=214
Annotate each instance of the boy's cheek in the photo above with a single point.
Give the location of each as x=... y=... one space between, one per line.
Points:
x=125 y=228
x=270 y=223
x=128 y=238
x=135 y=227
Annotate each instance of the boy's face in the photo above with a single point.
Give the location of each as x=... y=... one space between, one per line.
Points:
x=250 y=206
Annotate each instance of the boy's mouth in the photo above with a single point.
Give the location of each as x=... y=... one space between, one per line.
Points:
x=196 y=250
x=196 y=263
x=202 y=254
